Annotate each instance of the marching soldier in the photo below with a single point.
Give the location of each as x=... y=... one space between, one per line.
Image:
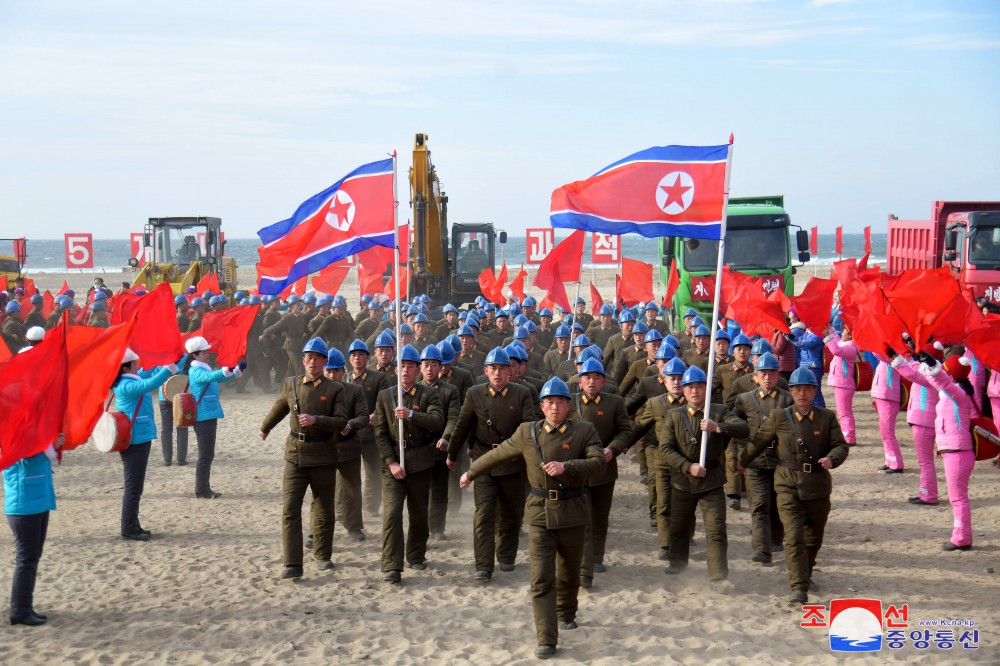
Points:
x=698 y=354
x=560 y=455
x=449 y=324
x=601 y=330
x=338 y=328
x=318 y=411
x=680 y=447
x=546 y=331
x=651 y=344
x=809 y=444
x=470 y=358
x=63 y=304
x=199 y=307
x=581 y=315
x=181 y=305
x=424 y=418
x=630 y=353
x=490 y=414
x=290 y=329
x=421 y=336
x=462 y=380
x=322 y=314
x=554 y=357
x=372 y=382
x=35 y=316
x=430 y=371
x=368 y=325
x=385 y=356
x=13 y=329
x=722 y=344
x=617 y=342
x=727 y=373
x=651 y=311
x=98 y=315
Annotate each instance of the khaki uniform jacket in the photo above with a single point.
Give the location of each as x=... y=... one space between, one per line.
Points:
x=821 y=438
x=612 y=348
x=451 y=406
x=444 y=329
x=635 y=373
x=695 y=357
x=337 y=331
x=552 y=360
x=653 y=416
x=13 y=334
x=599 y=336
x=315 y=322
x=422 y=342
x=34 y=318
x=545 y=337
x=473 y=362
x=624 y=359
x=748 y=383
x=322 y=398
x=754 y=407
x=606 y=412
x=722 y=383
x=349 y=447
x=365 y=328
x=290 y=329
x=680 y=446
x=461 y=379
x=420 y=430
x=488 y=417
x=57 y=314
x=183 y=322
x=576 y=444
x=194 y=322
x=371 y=382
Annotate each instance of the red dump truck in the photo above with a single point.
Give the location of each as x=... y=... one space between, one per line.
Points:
x=964 y=235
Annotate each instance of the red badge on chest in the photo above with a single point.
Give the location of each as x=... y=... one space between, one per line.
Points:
x=322 y=397
x=566 y=446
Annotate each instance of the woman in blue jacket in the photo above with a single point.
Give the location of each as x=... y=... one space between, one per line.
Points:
x=29 y=495
x=204 y=388
x=132 y=391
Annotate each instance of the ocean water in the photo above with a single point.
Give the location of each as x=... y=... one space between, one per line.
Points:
x=111 y=254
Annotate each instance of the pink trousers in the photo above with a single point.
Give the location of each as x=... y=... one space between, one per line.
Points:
x=887 y=411
x=957 y=469
x=845 y=412
x=995 y=402
x=923 y=442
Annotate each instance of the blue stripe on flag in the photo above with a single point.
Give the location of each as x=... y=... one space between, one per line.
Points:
x=275 y=284
x=651 y=229
x=689 y=154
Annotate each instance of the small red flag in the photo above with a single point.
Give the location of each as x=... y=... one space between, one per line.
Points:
x=329 y=279
x=814 y=241
x=63 y=289
x=673 y=281
x=813 y=305
x=517 y=284
x=209 y=282
x=868 y=240
x=595 y=300
x=839 y=244
x=227 y=331
x=3 y=283
x=562 y=265
x=156 y=338
x=637 y=281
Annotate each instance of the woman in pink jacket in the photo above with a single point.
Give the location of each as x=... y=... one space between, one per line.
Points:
x=993 y=393
x=953 y=439
x=841 y=379
x=920 y=414
x=886 y=395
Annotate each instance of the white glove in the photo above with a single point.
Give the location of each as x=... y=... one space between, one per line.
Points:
x=237 y=371
x=172 y=368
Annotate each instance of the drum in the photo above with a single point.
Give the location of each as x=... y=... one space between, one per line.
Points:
x=176 y=384
x=112 y=433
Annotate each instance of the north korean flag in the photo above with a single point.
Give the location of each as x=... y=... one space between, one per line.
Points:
x=660 y=191
x=350 y=216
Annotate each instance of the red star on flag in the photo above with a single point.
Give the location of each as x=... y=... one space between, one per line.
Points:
x=675 y=193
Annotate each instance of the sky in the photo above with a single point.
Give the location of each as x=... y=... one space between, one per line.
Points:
x=115 y=111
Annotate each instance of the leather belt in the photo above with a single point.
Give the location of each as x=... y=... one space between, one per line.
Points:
x=303 y=437
x=808 y=468
x=565 y=493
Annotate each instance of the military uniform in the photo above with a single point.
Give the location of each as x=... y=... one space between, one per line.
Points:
x=583 y=319
x=473 y=361
x=310 y=461
x=337 y=330
x=545 y=336
x=13 y=334
x=34 y=318
x=290 y=329
x=802 y=484
x=754 y=407
x=746 y=383
x=599 y=335
x=722 y=393
x=659 y=325
x=487 y=418
x=462 y=380
x=646 y=445
x=680 y=447
x=349 y=458
x=635 y=374
x=441 y=476
x=372 y=382
x=194 y=322
x=612 y=350
x=276 y=358
x=606 y=412
x=552 y=360
x=54 y=319
x=183 y=321
x=557 y=511
x=419 y=431
x=365 y=328
x=421 y=342
x=695 y=357
x=629 y=354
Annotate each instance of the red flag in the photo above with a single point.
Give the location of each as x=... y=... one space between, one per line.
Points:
x=755 y=313
x=920 y=298
x=813 y=305
x=637 y=281
x=673 y=281
x=619 y=298
x=29 y=287
x=984 y=341
x=517 y=284
x=4 y=352
x=63 y=289
x=839 y=243
x=33 y=393
x=48 y=303
x=846 y=269
x=404 y=283
x=498 y=285
x=868 y=240
x=871 y=318
x=227 y=331
x=486 y=281
x=209 y=282
x=370 y=270
x=562 y=265
x=95 y=355
x=814 y=241
x=156 y=338
x=3 y=283
x=329 y=279
x=596 y=301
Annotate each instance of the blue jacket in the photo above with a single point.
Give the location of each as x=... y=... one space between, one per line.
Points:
x=133 y=390
x=206 y=382
x=810 y=348
x=28 y=487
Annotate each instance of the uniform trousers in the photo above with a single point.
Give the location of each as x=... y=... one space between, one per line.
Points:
x=682 y=516
x=349 y=494
x=819 y=400
x=135 y=459
x=735 y=484
x=322 y=480
x=596 y=536
x=205 y=432
x=454 y=491
x=663 y=489
x=555 y=577
x=640 y=454
x=845 y=412
x=277 y=361
x=294 y=362
x=167 y=435
x=804 y=522
x=923 y=442
x=958 y=467
x=651 y=453
x=440 y=482
x=415 y=490
x=887 y=411
x=493 y=494
x=373 y=473
x=259 y=367
x=29 y=540
x=765 y=524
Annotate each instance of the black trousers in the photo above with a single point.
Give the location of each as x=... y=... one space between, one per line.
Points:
x=205 y=431
x=167 y=434
x=29 y=539
x=134 y=462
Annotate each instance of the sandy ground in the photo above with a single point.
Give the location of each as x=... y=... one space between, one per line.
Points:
x=206 y=589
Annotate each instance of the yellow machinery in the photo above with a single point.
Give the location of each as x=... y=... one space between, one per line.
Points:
x=445 y=271
x=11 y=264
x=185 y=249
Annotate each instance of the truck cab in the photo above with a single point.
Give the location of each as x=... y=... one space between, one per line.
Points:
x=972 y=250
x=757 y=243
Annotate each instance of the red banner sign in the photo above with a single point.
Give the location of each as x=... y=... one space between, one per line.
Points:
x=79 y=250
x=539 y=243
x=605 y=248
x=138 y=252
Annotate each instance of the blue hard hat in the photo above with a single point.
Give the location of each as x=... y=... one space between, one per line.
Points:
x=503 y=313
x=640 y=328
x=626 y=315
x=316 y=346
x=489 y=307
x=37 y=298
x=405 y=329
x=385 y=339
x=410 y=311
x=472 y=321
x=545 y=312
x=323 y=300
x=521 y=333
x=455 y=342
x=568 y=320
x=606 y=309
x=690 y=312
x=334 y=360
x=309 y=299
x=12 y=307
x=420 y=319
x=409 y=353
x=530 y=327
x=447 y=352
x=64 y=302
x=554 y=387
x=373 y=305
x=240 y=295
x=244 y=301
x=591 y=365
x=180 y=300
x=674 y=366
x=672 y=341
x=652 y=306
x=581 y=341
x=497 y=356
x=694 y=375
x=562 y=331
x=197 y=302
x=206 y=294
x=449 y=308
x=529 y=302
x=466 y=330
x=99 y=295
x=215 y=300
x=579 y=300
x=515 y=350
x=423 y=308
x=766 y=361
x=254 y=300
x=584 y=355
x=803 y=377
x=702 y=331
x=293 y=299
x=366 y=298
x=431 y=353
x=98 y=306
x=760 y=347
x=358 y=346
x=722 y=335
x=652 y=336
x=519 y=320
x=577 y=326
x=741 y=339
x=339 y=301
x=597 y=350
x=665 y=352
x=697 y=321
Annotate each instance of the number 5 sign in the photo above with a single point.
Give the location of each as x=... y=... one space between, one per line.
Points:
x=79 y=250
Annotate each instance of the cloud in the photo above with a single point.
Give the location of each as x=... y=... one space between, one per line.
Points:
x=828 y=3
x=952 y=42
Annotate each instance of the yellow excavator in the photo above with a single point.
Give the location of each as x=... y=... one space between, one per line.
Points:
x=445 y=267
x=11 y=264
x=185 y=249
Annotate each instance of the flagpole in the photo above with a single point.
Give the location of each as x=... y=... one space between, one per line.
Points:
x=715 y=303
x=395 y=277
